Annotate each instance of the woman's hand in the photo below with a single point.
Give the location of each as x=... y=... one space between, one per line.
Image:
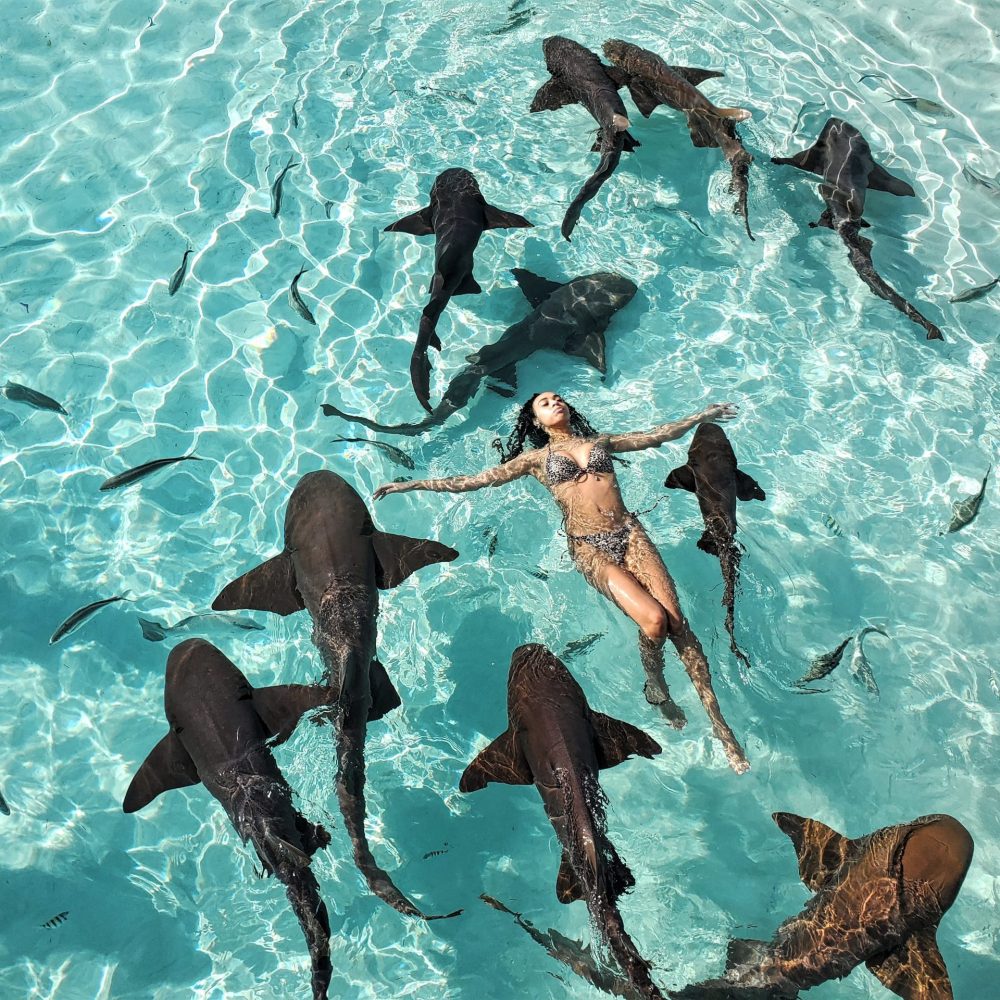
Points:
x=405 y=487
x=719 y=413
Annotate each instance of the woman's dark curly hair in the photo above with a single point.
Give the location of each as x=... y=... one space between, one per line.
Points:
x=525 y=429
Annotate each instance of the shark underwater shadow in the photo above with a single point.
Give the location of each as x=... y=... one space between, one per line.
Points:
x=457 y=217
x=878 y=901
x=843 y=158
x=652 y=82
x=711 y=473
x=556 y=742
x=334 y=563
x=221 y=733
x=569 y=316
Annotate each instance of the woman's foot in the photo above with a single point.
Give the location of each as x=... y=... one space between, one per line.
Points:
x=657 y=694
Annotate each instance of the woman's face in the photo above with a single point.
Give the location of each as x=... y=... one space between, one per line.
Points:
x=551 y=411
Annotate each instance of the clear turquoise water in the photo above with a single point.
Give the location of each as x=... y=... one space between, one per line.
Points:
x=126 y=142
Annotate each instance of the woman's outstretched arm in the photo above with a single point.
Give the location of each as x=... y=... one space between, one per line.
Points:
x=637 y=440
x=523 y=465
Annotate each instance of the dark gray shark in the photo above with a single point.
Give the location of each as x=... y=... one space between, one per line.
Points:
x=221 y=734
x=843 y=158
x=457 y=217
x=879 y=900
x=579 y=77
x=557 y=743
x=570 y=317
x=711 y=474
x=652 y=82
x=333 y=565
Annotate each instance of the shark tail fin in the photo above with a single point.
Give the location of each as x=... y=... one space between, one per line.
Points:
x=616 y=741
x=501 y=761
x=569 y=888
x=385 y=697
x=915 y=970
x=168 y=766
x=822 y=852
x=397 y=556
x=267 y=587
x=747 y=488
x=280 y=707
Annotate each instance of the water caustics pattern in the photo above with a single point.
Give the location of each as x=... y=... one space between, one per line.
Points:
x=133 y=131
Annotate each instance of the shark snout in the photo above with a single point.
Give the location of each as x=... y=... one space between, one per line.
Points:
x=939 y=854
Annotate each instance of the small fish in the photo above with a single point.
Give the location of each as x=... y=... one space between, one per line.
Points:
x=436 y=854
x=860 y=668
x=79 y=616
x=990 y=183
x=295 y=114
x=971 y=294
x=22 y=394
x=296 y=300
x=56 y=920
x=25 y=304
x=327 y=206
x=833 y=525
x=578 y=646
x=156 y=631
x=994 y=683
x=4 y=808
x=277 y=185
x=491 y=534
x=964 y=511
x=141 y=471
x=518 y=16
x=922 y=105
x=872 y=76
x=825 y=664
x=539 y=574
x=178 y=276
x=396 y=454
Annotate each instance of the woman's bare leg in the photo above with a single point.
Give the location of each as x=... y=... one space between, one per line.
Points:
x=645 y=566
x=624 y=589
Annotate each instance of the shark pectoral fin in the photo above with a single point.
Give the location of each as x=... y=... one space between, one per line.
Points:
x=497 y=218
x=617 y=741
x=682 y=478
x=915 y=970
x=267 y=587
x=810 y=159
x=708 y=543
x=385 y=697
x=467 y=286
x=747 y=488
x=536 y=288
x=417 y=224
x=568 y=885
x=551 y=95
x=397 y=556
x=314 y=836
x=822 y=852
x=696 y=76
x=744 y=951
x=280 y=707
x=590 y=347
x=501 y=761
x=879 y=179
x=644 y=100
x=507 y=375
x=168 y=766
x=286 y=851
x=702 y=128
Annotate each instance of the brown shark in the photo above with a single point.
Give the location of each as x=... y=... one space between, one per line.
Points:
x=653 y=82
x=556 y=742
x=334 y=563
x=878 y=901
x=711 y=474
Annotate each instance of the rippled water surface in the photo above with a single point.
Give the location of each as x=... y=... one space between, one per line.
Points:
x=133 y=131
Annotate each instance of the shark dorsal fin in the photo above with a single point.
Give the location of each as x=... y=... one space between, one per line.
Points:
x=747 y=488
x=280 y=707
x=616 y=741
x=822 y=852
x=168 y=766
x=915 y=970
x=267 y=587
x=536 y=288
x=417 y=224
x=397 y=556
x=568 y=885
x=501 y=761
